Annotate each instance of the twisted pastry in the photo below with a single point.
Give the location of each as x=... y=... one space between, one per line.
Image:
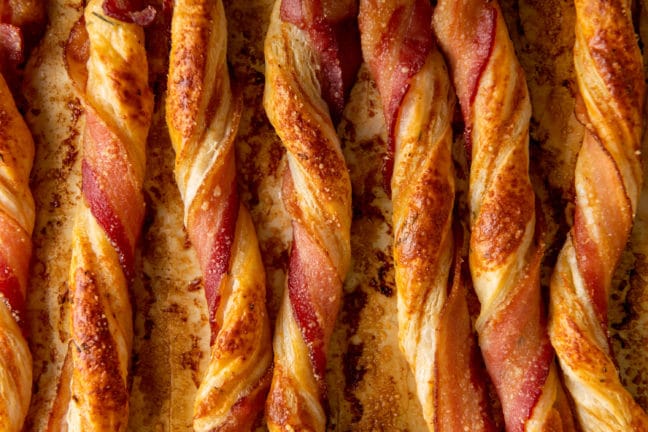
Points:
x=607 y=183
x=504 y=251
x=106 y=60
x=16 y=225
x=435 y=330
x=203 y=118
x=308 y=70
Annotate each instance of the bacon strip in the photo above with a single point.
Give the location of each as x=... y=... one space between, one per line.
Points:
x=11 y=291
x=317 y=193
x=400 y=53
x=221 y=252
x=11 y=50
x=334 y=35
x=607 y=179
x=108 y=221
x=435 y=330
x=203 y=116
x=26 y=15
x=102 y=209
x=504 y=247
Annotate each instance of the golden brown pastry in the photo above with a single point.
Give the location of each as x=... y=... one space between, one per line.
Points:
x=203 y=117
x=107 y=62
x=435 y=330
x=607 y=183
x=504 y=247
x=16 y=225
x=311 y=53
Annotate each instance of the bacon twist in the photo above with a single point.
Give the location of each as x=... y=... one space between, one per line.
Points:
x=607 y=182
x=203 y=117
x=435 y=330
x=16 y=225
x=17 y=212
x=504 y=251
x=106 y=60
x=311 y=55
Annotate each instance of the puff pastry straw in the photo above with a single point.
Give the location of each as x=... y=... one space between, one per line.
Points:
x=21 y=26
x=311 y=52
x=106 y=60
x=16 y=225
x=607 y=183
x=435 y=329
x=17 y=213
x=203 y=116
x=504 y=246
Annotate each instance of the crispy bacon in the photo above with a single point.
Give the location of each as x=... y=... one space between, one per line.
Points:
x=334 y=34
x=594 y=262
x=220 y=252
x=402 y=51
x=76 y=53
x=130 y=11
x=103 y=259
x=14 y=263
x=504 y=348
x=607 y=179
x=11 y=46
x=111 y=202
x=308 y=276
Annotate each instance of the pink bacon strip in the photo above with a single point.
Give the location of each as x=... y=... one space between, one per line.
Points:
x=215 y=251
x=93 y=387
x=316 y=192
x=334 y=34
x=435 y=329
x=203 y=117
x=505 y=253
